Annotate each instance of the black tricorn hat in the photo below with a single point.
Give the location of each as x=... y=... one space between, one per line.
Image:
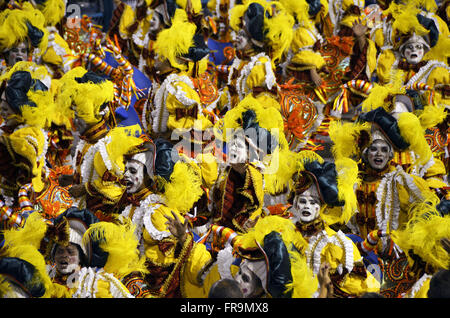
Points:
x=22 y=274
x=254 y=23
x=388 y=125
x=198 y=50
x=17 y=87
x=166 y=158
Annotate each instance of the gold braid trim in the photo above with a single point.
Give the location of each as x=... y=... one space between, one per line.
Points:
x=187 y=246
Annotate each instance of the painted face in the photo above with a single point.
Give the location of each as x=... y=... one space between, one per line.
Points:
x=67 y=259
x=306 y=206
x=249 y=283
x=155 y=23
x=134 y=176
x=18 y=53
x=238 y=149
x=414 y=52
x=5 y=110
x=379 y=154
x=241 y=41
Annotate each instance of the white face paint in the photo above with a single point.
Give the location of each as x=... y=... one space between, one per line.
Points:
x=241 y=41
x=67 y=259
x=414 y=52
x=237 y=149
x=248 y=281
x=155 y=23
x=379 y=154
x=18 y=53
x=306 y=206
x=134 y=176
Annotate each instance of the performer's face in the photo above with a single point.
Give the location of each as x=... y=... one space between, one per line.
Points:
x=155 y=23
x=414 y=52
x=67 y=259
x=5 y=110
x=241 y=41
x=249 y=283
x=379 y=154
x=17 y=54
x=134 y=176
x=238 y=149
x=306 y=206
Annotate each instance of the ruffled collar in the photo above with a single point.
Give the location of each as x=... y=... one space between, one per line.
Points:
x=404 y=65
x=136 y=198
x=310 y=228
x=370 y=174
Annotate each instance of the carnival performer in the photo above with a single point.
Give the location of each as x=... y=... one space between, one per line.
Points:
x=386 y=191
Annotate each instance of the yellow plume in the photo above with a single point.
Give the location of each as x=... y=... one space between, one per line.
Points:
x=278 y=30
x=425 y=222
x=432 y=115
x=14 y=27
x=53 y=10
x=347 y=179
x=121 y=244
x=184 y=186
x=32 y=233
x=345 y=138
x=413 y=133
x=176 y=40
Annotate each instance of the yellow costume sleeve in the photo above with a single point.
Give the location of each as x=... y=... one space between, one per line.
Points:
x=352 y=284
x=61 y=291
x=59 y=53
x=104 y=289
x=213 y=275
x=198 y=261
x=184 y=98
x=438 y=77
x=268 y=100
x=422 y=292
x=378 y=37
x=159 y=243
x=434 y=175
x=302 y=48
x=261 y=75
x=209 y=169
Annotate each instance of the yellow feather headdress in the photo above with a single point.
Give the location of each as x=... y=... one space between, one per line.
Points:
x=184 y=187
x=40 y=115
x=53 y=11
x=30 y=254
x=85 y=99
x=277 y=29
x=15 y=29
x=347 y=178
x=422 y=235
x=175 y=41
x=304 y=283
x=121 y=244
x=30 y=143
